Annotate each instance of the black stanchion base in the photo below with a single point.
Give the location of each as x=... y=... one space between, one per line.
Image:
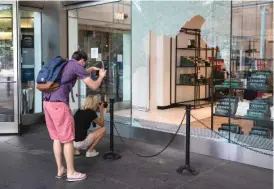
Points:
x=187 y=168
x=112 y=156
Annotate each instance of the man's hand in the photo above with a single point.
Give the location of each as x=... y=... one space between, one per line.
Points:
x=95 y=84
x=102 y=73
x=92 y=69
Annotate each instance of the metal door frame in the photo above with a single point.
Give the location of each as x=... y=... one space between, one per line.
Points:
x=13 y=127
x=27 y=119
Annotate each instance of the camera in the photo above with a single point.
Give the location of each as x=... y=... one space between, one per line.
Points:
x=95 y=75
x=105 y=104
x=97 y=72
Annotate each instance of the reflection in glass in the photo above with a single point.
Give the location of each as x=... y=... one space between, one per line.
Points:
x=27 y=61
x=6 y=65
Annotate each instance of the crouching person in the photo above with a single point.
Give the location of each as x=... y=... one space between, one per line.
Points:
x=83 y=119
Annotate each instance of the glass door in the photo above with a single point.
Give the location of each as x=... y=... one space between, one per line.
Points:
x=31 y=62
x=106 y=39
x=114 y=51
x=8 y=68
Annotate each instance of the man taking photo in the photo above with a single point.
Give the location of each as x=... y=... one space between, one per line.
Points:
x=59 y=118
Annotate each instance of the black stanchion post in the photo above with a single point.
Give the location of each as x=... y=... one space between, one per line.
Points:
x=187 y=166
x=111 y=155
x=111 y=125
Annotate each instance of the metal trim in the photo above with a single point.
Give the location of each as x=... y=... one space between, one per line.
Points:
x=176 y=63
x=252 y=4
x=115 y=29
x=89 y=4
x=17 y=69
x=29 y=8
x=149 y=69
x=7 y=81
x=170 y=72
x=13 y=127
x=67 y=28
x=131 y=70
x=95 y=20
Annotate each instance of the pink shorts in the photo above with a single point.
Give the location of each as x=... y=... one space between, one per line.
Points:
x=60 y=121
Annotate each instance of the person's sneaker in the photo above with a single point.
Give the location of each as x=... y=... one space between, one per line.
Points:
x=92 y=154
x=76 y=152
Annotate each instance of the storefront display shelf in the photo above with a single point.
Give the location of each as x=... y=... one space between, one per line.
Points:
x=191 y=57
x=201 y=102
x=202 y=49
x=192 y=84
x=243 y=117
x=193 y=66
x=245 y=88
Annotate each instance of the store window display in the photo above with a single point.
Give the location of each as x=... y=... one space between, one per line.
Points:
x=240 y=80
x=172 y=67
x=250 y=108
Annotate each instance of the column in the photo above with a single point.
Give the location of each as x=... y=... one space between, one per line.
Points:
x=163 y=71
x=126 y=66
x=262 y=39
x=73 y=46
x=140 y=72
x=37 y=60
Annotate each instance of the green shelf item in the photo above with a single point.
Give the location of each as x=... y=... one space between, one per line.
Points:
x=230 y=84
x=259 y=106
x=187 y=79
x=259 y=133
x=186 y=62
x=223 y=110
x=227 y=106
x=234 y=128
x=260 y=129
x=257 y=86
x=268 y=100
x=255 y=114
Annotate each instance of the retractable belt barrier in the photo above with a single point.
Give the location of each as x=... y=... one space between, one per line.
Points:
x=112 y=155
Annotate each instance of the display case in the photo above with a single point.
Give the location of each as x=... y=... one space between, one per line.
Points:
x=244 y=113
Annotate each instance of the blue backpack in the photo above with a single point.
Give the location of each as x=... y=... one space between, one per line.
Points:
x=49 y=77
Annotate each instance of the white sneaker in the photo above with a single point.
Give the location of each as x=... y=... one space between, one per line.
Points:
x=92 y=154
x=76 y=152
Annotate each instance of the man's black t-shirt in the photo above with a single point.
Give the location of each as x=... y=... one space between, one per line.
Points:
x=83 y=120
